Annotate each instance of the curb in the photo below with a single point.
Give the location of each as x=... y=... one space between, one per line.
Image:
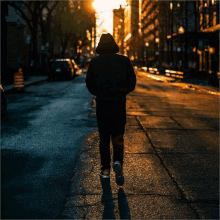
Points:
x=10 y=91
x=172 y=82
x=195 y=87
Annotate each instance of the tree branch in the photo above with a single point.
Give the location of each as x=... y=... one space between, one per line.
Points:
x=20 y=12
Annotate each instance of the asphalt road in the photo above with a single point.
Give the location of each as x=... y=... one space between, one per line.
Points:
x=40 y=139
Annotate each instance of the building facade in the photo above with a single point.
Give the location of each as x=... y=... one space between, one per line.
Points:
x=150 y=29
x=118 y=28
x=131 y=30
x=182 y=35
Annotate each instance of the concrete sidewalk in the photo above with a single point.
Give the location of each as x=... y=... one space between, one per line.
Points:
x=156 y=196
x=91 y=198
x=30 y=81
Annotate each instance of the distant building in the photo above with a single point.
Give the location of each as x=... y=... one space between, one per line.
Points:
x=150 y=29
x=118 y=28
x=131 y=31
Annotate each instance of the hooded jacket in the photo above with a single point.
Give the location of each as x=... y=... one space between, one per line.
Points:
x=110 y=76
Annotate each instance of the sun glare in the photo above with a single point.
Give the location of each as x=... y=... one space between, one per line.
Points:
x=104 y=10
x=106 y=5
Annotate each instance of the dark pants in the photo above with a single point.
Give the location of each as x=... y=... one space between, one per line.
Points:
x=111 y=118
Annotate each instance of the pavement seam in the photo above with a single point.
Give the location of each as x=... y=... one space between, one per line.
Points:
x=171 y=117
x=179 y=188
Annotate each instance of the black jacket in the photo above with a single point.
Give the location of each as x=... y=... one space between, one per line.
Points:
x=110 y=77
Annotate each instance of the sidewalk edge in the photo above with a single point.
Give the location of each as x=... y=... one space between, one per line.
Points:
x=172 y=82
x=8 y=91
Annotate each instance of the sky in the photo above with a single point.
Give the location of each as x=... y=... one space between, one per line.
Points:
x=104 y=13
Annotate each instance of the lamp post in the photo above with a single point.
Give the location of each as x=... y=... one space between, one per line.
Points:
x=157 y=41
x=186 y=32
x=171 y=52
x=181 y=31
x=146 y=45
x=18 y=55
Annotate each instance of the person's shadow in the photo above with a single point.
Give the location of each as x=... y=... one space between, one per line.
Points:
x=124 y=210
x=108 y=202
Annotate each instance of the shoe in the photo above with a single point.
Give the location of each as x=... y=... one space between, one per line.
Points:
x=118 y=173
x=105 y=174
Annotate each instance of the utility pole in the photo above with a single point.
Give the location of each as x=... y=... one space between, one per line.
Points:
x=171 y=54
x=186 y=33
x=196 y=33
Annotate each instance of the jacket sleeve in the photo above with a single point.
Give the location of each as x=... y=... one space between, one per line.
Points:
x=90 y=81
x=131 y=77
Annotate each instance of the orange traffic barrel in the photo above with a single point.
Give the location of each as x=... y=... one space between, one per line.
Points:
x=19 y=80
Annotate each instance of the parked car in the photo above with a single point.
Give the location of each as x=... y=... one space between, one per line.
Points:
x=61 y=68
x=3 y=102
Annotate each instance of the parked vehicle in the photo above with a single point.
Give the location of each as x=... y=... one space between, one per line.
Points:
x=3 y=102
x=61 y=68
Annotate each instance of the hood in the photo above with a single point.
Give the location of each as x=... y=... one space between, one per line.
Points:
x=107 y=45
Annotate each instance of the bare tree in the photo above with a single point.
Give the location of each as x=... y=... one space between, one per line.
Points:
x=46 y=20
x=30 y=11
x=71 y=21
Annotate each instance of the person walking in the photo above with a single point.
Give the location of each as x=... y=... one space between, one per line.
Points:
x=110 y=78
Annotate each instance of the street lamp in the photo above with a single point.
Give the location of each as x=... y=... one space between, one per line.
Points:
x=181 y=30
x=157 y=40
x=171 y=5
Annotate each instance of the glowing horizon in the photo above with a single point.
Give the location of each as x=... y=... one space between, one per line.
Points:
x=104 y=10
